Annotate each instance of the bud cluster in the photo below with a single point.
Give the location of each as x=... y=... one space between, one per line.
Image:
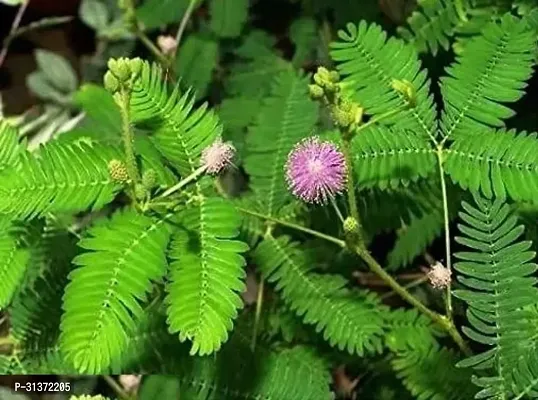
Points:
x=118 y=171
x=121 y=73
x=345 y=113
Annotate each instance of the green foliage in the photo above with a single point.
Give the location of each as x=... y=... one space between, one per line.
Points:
x=206 y=275
x=357 y=319
x=124 y=255
x=59 y=178
x=495 y=273
x=492 y=70
x=504 y=168
x=386 y=158
x=147 y=226
x=196 y=62
x=365 y=58
x=228 y=17
x=426 y=368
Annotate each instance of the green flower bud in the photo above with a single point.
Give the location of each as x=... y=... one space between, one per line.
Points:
x=407 y=89
x=342 y=118
x=120 y=68
x=136 y=66
x=334 y=76
x=351 y=225
x=316 y=92
x=149 y=179
x=140 y=191
x=111 y=83
x=118 y=171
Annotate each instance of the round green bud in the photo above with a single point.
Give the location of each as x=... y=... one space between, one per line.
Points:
x=149 y=179
x=118 y=171
x=111 y=83
x=316 y=92
x=351 y=225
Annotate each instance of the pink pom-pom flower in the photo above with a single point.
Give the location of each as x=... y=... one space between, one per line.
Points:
x=316 y=171
x=217 y=156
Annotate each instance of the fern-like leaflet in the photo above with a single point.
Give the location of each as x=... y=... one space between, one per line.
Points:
x=103 y=300
x=59 y=177
x=495 y=273
x=206 y=274
x=349 y=320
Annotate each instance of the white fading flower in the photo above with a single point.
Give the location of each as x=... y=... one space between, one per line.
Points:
x=217 y=156
x=167 y=44
x=130 y=383
x=439 y=276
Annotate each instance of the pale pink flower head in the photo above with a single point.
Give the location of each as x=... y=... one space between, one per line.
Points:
x=130 y=382
x=316 y=170
x=439 y=276
x=167 y=44
x=217 y=156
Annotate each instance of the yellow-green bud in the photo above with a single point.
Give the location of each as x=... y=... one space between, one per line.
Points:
x=407 y=89
x=149 y=179
x=351 y=225
x=316 y=91
x=111 y=83
x=136 y=66
x=140 y=191
x=334 y=77
x=118 y=171
x=120 y=68
x=342 y=117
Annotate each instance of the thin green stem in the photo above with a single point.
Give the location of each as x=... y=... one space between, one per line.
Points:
x=441 y=320
x=183 y=182
x=446 y=217
x=146 y=41
x=183 y=23
x=259 y=306
x=116 y=387
x=352 y=200
x=127 y=135
x=291 y=225
x=337 y=210
x=407 y=286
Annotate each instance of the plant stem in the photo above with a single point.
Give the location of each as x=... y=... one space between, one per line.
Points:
x=259 y=305
x=448 y=252
x=183 y=182
x=183 y=24
x=136 y=28
x=14 y=26
x=374 y=266
x=441 y=320
x=291 y=225
x=127 y=135
x=352 y=200
x=337 y=210
x=116 y=387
